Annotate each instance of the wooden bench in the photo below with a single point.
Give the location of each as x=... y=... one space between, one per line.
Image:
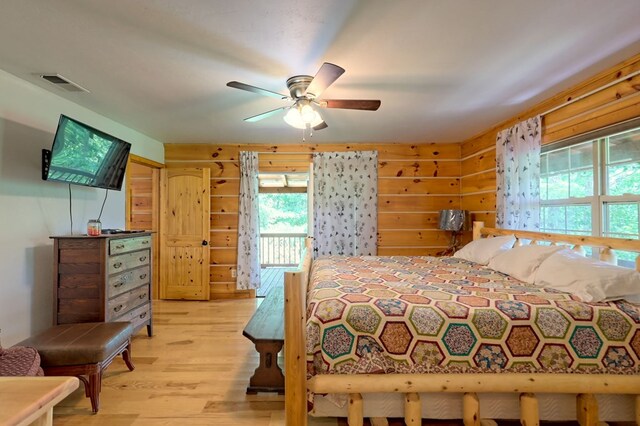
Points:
x=266 y=330
x=84 y=350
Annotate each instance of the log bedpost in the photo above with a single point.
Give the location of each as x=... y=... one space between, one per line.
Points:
x=470 y=409
x=529 y=415
x=294 y=351
x=355 y=410
x=412 y=409
x=477 y=226
x=587 y=409
x=295 y=354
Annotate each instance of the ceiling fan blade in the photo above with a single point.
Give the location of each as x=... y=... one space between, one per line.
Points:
x=327 y=74
x=368 y=105
x=254 y=89
x=264 y=115
x=320 y=126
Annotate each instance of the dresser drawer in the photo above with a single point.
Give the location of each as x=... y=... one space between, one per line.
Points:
x=123 y=245
x=121 y=283
x=127 y=301
x=138 y=316
x=122 y=262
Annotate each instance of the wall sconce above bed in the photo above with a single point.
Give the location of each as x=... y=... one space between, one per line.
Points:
x=456 y=221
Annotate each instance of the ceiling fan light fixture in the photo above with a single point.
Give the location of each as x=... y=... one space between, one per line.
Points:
x=307 y=113
x=303 y=117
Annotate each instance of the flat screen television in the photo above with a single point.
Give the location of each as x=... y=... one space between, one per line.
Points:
x=86 y=156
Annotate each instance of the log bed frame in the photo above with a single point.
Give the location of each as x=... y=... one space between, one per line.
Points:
x=526 y=385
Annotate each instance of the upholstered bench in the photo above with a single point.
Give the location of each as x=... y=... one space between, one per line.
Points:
x=84 y=350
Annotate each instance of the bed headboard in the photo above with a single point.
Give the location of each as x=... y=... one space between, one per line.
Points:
x=578 y=242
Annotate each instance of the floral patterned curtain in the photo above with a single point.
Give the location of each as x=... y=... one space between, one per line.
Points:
x=518 y=176
x=248 y=276
x=345 y=203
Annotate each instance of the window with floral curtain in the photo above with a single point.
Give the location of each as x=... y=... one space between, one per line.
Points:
x=248 y=276
x=518 y=176
x=345 y=203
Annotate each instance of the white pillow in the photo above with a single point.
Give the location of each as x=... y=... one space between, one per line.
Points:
x=522 y=262
x=589 y=279
x=481 y=251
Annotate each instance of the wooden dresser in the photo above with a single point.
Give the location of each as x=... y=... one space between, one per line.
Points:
x=104 y=278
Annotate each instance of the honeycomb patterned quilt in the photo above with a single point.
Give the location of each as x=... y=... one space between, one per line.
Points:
x=425 y=314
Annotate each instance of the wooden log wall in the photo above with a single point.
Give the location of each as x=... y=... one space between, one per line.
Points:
x=616 y=104
x=415 y=181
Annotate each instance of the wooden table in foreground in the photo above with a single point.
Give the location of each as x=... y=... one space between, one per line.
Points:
x=30 y=400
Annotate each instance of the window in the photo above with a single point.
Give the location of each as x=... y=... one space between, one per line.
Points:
x=593 y=188
x=283 y=203
x=282 y=200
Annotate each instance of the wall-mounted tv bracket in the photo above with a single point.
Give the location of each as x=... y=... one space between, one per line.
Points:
x=46 y=162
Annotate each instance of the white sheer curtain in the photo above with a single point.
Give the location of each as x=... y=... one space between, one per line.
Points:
x=345 y=203
x=248 y=276
x=518 y=176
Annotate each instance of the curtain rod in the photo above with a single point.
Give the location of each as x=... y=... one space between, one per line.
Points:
x=626 y=77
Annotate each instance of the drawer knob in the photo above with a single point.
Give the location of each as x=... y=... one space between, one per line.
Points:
x=143 y=258
x=145 y=242
x=143 y=296
x=118 y=284
x=143 y=276
x=142 y=315
x=118 y=308
x=120 y=246
x=117 y=265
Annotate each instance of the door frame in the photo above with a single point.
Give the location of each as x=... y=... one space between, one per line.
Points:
x=155 y=213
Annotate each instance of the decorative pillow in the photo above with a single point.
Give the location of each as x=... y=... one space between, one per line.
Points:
x=589 y=279
x=522 y=262
x=20 y=361
x=482 y=251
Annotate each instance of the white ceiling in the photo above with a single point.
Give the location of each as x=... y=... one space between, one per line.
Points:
x=444 y=69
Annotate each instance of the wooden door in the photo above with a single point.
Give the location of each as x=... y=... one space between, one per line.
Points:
x=184 y=234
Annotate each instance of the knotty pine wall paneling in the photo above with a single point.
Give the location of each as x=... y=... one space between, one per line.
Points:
x=141 y=187
x=610 y=106
x=415 y=181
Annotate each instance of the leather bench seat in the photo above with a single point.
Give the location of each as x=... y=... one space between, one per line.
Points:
x=84 y=350
x=75 y=344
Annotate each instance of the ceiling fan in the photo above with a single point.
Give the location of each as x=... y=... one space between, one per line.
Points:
x=305 y=93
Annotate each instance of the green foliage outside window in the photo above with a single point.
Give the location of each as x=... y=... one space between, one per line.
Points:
x=283 y=213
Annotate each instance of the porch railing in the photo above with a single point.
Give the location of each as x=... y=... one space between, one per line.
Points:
x=278 y=249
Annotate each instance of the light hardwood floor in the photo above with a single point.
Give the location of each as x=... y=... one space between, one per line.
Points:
x=194 y=371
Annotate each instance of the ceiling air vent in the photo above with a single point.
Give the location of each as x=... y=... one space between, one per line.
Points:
x=64 y=83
